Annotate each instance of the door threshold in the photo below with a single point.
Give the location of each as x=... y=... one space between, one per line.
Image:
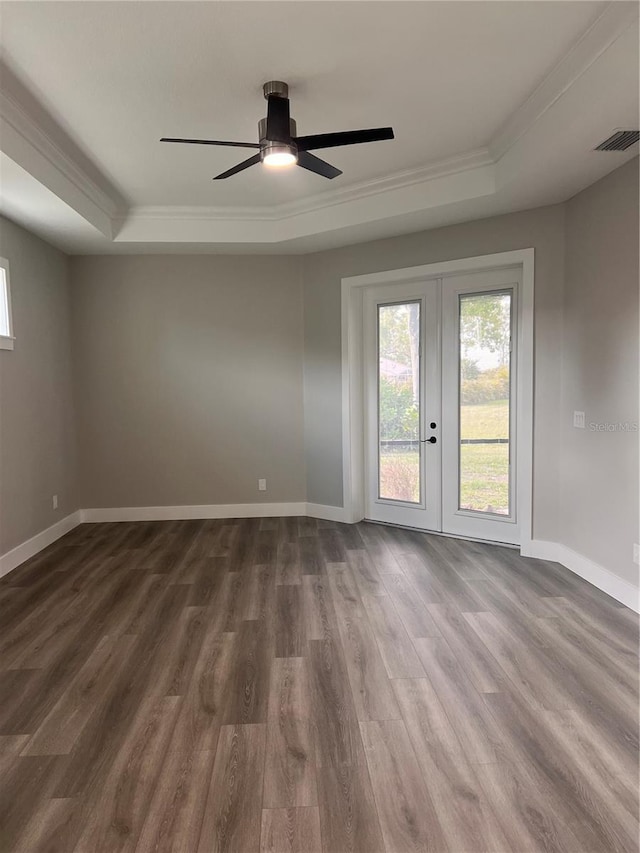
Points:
x=440 y=533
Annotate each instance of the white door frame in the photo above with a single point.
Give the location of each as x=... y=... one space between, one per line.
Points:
x=353 y=449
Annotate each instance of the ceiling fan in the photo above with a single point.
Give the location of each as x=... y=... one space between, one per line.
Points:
x=280 y=146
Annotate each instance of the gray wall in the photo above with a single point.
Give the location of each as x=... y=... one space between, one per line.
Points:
x=189 y=379
x=599 y=470
x=37 y=439
x=543 y=229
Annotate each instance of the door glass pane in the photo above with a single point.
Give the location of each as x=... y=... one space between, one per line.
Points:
x=485 y=372
x=399 y=402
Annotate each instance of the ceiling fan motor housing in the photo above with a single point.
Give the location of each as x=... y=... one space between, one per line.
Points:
x=267 y=146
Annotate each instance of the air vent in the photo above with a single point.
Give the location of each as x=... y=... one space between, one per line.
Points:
x=619 y=141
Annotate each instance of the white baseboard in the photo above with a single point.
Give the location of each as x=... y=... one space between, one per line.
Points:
x=327 y=513
x=18 y=555
x=177 y=513
x=605 y=580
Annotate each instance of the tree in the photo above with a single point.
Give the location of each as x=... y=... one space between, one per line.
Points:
x=485 y=324
x=399 y=338
x=399 y=417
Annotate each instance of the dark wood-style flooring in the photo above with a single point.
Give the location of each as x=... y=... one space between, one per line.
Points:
x=297 y=685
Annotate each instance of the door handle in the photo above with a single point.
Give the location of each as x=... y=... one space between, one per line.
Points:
x=431 y=440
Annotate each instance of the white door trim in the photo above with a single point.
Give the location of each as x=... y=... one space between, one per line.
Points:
x=353 y=449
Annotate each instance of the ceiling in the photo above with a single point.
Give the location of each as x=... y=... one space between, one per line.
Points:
x=496 y=106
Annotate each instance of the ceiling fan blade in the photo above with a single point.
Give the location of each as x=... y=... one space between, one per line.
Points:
x=315 y=164
x=252 y=161
x=211 y=142
x=347 y=137
x=278 y=129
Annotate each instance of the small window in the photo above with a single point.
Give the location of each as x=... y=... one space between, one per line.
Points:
x=6 y=326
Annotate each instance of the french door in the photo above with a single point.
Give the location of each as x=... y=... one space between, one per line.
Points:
x=441 y=432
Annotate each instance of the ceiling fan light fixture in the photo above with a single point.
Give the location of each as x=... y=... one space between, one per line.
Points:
x=279 y=155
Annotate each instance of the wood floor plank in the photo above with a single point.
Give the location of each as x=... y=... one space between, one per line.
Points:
x=334 y=713
x=173 y=818
x=129 y=785
x=248 y=694
x=589 y=816
x=311 y=558
x=119 y=701
x=288 y=563
x=415 y=617
x=471 y=721
x=474 y=657
x=526 y=670
x=344 y=592
x=407 y=817
x=318 y=608
x=365 y=573
x=332 y=545
x=27 y=783
x=290 y=623
x=468 y=821
x=424 y=583
x=48 y=828
x=202 y=713
x=378 y=549
x=62 y=727
x=233 y=812
x=207 y=583
x=527 y=816
x=348 y=816
x=396 y=648
x=290 y=831
x=290 y=774
x=370 y=687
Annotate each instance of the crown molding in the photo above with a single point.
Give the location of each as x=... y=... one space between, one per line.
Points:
x=25 y=141
x=616 y=18
x=288 y=210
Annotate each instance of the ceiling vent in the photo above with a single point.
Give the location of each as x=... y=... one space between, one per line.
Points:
x=619 y=141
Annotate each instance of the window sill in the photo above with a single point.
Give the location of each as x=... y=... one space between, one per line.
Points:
x=6 y=342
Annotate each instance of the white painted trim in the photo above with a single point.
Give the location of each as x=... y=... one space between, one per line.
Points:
x=291 y=209
x=328 y=513
x=18 y=555
x=605 y=580
x=352 y=379
x=26 y=142
x=6 y=341
x=606 y=29
x=176 y=513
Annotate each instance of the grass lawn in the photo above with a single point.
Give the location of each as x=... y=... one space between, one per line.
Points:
x=484 y=467
x=485 y=420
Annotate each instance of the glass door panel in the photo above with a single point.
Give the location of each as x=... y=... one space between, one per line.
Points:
x=484 y=360
x=479 y=429
x=399 y=383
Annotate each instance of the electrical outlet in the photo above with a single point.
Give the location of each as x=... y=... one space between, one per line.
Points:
x=262 y=485
x=578 y=420
x=636 y=554
x=54 y=501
